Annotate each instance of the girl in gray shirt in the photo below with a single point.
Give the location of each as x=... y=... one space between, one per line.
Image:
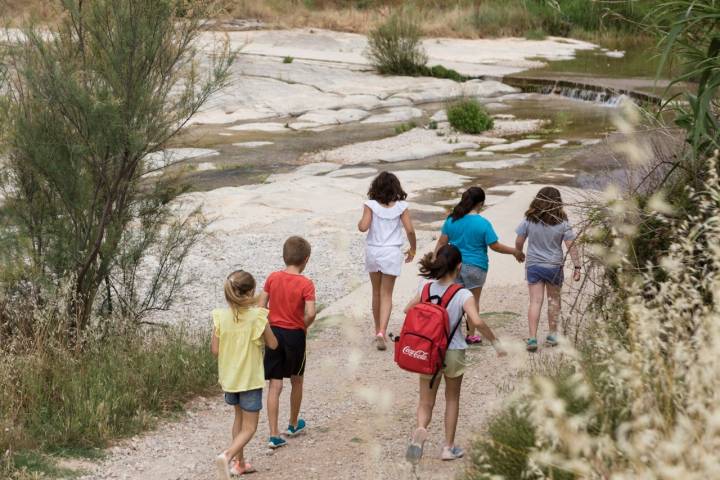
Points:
x=546 y=228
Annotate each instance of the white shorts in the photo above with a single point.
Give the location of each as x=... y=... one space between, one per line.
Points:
x=388 y=260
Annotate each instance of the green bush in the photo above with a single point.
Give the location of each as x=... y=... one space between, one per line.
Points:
x=468 y=116
x=395 y=46
x=53 y=398
x=288 y=59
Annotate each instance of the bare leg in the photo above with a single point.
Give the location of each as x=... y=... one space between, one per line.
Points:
x=273 y=405
x=376 y=282
x=476 y=294
x=553 y=296
x=296 y=394
x=452 y=408
x=247 y=431
x=536 y=291
x=237 y=424
x=386 y=292
x=427 y=402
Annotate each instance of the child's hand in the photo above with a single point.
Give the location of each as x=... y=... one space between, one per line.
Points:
x=519 y=256
x=576 y=275
x=499 y=350
x=409 y=255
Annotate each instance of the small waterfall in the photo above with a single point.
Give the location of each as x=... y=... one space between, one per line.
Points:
x=579 y=91
x=595 y=95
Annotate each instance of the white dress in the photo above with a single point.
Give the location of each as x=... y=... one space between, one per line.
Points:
x=383 y=250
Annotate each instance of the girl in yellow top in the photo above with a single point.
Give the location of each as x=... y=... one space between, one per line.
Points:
x=239 y=334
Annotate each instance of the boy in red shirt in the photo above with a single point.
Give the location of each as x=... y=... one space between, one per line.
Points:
x=291 y=299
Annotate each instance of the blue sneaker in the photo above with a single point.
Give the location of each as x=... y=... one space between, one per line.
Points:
x=532 y=344
x=277 y=442
x=551 y=340
x=292 y=431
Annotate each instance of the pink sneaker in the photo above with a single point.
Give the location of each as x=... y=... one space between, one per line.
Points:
x=473 y=339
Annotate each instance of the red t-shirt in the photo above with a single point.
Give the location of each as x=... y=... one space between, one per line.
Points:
x=288 y=293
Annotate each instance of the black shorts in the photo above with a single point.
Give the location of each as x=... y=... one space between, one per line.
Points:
x=289 y=358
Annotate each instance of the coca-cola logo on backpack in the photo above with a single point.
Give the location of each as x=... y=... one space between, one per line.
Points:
x=425 y=334
x=418 y=354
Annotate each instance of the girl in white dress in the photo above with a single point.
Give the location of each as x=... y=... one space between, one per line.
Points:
x=385 y=215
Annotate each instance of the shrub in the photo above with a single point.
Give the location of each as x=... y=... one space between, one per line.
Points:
x=405 y=127
x=395 y=46
x=53 y=398
x=438 y=71
x=288 y=59
x=468 y=116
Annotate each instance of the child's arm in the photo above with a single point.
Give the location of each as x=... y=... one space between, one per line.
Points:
x=520 y=242
x=263 y=299
x=412 y=303
x=215 y=344
x=366 y=220
x=575 y=256
x=310 y=313
x=410 y=232
x=473 y=316
x=442 y=241
x=269 y=337
x=501 y=248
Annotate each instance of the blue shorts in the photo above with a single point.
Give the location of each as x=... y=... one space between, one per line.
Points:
x=471 y=276
x=551 y=275
x=250 y=401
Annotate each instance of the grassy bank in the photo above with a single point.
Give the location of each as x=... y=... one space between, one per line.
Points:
x=57 y=402
x=612 y=24
x=609 y=23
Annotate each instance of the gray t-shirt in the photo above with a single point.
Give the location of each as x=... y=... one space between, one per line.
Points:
x=545 y=242
x=454 y=309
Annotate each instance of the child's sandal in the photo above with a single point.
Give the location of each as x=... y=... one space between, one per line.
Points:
x=237 y=470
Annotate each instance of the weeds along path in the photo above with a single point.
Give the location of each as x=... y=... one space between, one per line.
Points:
x=360 y=407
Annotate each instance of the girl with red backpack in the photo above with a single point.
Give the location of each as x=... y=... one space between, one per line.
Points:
x=443 y=270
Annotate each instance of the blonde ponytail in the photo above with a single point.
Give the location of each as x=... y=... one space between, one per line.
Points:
x=240 y=291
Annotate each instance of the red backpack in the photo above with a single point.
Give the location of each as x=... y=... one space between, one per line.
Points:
x=425 y=334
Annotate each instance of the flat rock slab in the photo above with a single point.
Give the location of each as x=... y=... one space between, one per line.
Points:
x=493 y=164
x=398 y=114
x=334 y=117
x=352 y=172
x=509 y=147
x=252 y=144
x=261 y=127
x=412 y=145
x=170 y=156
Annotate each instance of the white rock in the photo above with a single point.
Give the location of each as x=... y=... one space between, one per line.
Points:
x=517 y=145
x=493 y=164
x=478 y=153
x=252 y=144
x=304 y=125
x=170 y=156
x=556 y=144
x=415 y=144
x=206 y=166
x=615 y=54
x=351 y=172
x=439 y=116
x=261 y=127
x=590 y=141
x=397 y=114
x=330 y=117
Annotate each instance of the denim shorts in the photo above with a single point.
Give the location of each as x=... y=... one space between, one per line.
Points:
x=471 y=276
x=250 y=401
x=551 y=275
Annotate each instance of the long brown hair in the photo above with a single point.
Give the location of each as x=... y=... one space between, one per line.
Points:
x=437 y=266
x=386 y=188
x=547 y=207
x=240 y=292
x=471 y=198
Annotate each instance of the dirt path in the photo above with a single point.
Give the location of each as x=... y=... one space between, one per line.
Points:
x=359 y=406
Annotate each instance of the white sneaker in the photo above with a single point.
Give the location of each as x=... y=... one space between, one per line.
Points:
x=452 y=453
x=223 y=467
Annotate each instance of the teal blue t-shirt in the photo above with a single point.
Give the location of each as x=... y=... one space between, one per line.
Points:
x=471 y=235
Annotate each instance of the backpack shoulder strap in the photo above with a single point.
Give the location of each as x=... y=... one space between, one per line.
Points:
x=425 y=295
x=449 y=294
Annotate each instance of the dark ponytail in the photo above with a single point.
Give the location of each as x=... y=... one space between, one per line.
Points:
x=446 y=261
x=471 y=198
